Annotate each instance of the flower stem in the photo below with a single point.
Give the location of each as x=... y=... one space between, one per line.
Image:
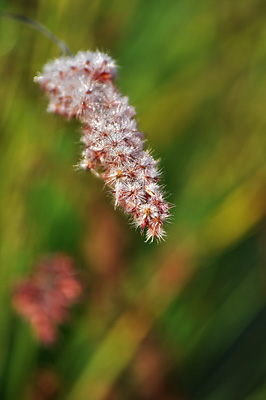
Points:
x=39 y=27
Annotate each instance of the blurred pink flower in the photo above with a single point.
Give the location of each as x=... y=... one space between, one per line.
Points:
x=44 y=298
x=82 y=87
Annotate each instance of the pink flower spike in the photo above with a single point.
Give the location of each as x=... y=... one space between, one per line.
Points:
x=44 y=298
x=82 y=87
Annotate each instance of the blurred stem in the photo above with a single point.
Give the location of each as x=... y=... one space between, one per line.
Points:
x=39 y=27
x=21 y=361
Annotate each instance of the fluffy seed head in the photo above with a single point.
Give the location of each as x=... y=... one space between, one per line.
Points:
x=82 y=87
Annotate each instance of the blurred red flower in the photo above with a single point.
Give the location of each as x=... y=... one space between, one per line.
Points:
x=45 y=297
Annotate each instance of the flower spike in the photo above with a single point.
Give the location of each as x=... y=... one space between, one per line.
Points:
x=82 y=87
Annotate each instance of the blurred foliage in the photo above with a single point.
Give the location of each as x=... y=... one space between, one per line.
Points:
x=185 y=319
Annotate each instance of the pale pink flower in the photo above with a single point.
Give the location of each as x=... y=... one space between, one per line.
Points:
x=82 y=87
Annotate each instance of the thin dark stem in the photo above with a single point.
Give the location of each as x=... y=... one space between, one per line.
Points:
x=39 y=27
